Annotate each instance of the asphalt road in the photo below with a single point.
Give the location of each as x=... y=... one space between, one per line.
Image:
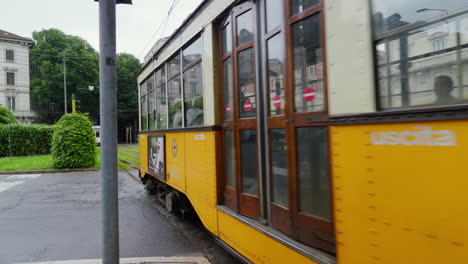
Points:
x=49 y=217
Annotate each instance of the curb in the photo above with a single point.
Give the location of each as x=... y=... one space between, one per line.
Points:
x=48 y=171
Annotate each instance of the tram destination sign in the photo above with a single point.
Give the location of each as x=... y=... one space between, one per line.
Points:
x=157 y=156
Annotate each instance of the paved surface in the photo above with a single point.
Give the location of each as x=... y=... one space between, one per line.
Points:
x=51 y=217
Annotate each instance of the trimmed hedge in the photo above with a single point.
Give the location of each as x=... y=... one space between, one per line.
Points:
x=25 y=140
x=6 y=116
x=73 y=142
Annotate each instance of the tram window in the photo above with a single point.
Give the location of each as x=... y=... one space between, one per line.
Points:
x=193 y=95
x=391 y=15
x=144 y=117
x=175 y=102
x=227 y=83
x=151 y=100
x=312 y=170
x=245 y=28
x=174 y=66
x=229 y=158
x=192 y=53
x=227 y=39
x=248 y=150
x=246 y=69
x=299 y=6
x=275 y=49
x=274 y=14
x=309 y=94
x=279 y=169
x=411 y=73
x=161 y=101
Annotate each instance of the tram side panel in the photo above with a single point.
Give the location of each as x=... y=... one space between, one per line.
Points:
x=400 y=192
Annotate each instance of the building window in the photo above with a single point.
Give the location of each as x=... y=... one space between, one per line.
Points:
x=11 y=103
x=10 y=55
x=421 y=57
x=438 y=45
x=10 y=78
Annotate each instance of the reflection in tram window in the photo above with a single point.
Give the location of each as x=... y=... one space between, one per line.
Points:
x=175 y=103
x=161 y=101
x=425 y=66
x=312 y=170
x=279 y=169
x=192 y=53
x=151 y=103
x=309 y=92
x=275 y=49
x=299 y=6
x=274 y=14
x=248 y=150
x=227 y=39
x=229 y=159
x=247 y=102
x=245 y=28
x=193 y=95
x=143 y=106
x=227 y=83
x=391 y=15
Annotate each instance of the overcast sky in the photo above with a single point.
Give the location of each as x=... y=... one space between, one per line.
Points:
x=136 y=24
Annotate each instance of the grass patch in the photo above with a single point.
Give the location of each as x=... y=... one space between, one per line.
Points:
x=131 y=155
x=41 y=162
x=44 y=162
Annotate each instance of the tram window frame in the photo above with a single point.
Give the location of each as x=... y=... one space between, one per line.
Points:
x=311 y=230
x=143 y=106
x=197 y=40
x=406 y=78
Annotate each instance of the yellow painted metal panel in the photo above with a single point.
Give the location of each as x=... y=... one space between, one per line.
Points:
x=254 y=245
x=175 y=160
x=201 y=176
x=143 y=144
x=400 y=192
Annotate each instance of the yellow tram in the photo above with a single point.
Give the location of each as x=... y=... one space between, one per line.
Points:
x=315 y=131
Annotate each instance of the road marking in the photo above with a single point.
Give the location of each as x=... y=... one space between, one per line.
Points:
x=14 y=180
x=146 y=260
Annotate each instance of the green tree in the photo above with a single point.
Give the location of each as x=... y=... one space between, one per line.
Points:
x=82 y=65
x=6 y=116
x=127 y=92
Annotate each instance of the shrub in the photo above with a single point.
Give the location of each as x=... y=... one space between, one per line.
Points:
x=6 y=116
x=24 y=140
x=73 y=143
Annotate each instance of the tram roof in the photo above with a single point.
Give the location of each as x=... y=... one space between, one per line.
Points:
x=175 y=33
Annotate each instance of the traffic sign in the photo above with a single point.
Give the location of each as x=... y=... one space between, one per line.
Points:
x=228 y=109
x=277 y=101
x=248 y=105
x=309 y=94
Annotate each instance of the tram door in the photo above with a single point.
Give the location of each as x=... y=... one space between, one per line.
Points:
x=240 y=111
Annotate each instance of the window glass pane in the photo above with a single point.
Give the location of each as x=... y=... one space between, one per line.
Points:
x=229 y=158
x=10 y=78
x=247 y=103
x=143 y=88
x=193 y=94
x=274 y=14
x=151 y=110
x=175 y=103
x=227 y=39
x=192 y=53
x=144 y=112
x=150 y=83
x=390 y=15
x=161 y=100
x=312 y=171
x=279 y=169
x=245 y=28
x=425 y=66
x=309 y=95
x=299 y=6
x=10 y=55
x=248 y=150
x=275 y=51
x=174 y=66
x=228 y=93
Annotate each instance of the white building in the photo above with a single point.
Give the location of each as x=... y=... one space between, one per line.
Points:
x=14 y=75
